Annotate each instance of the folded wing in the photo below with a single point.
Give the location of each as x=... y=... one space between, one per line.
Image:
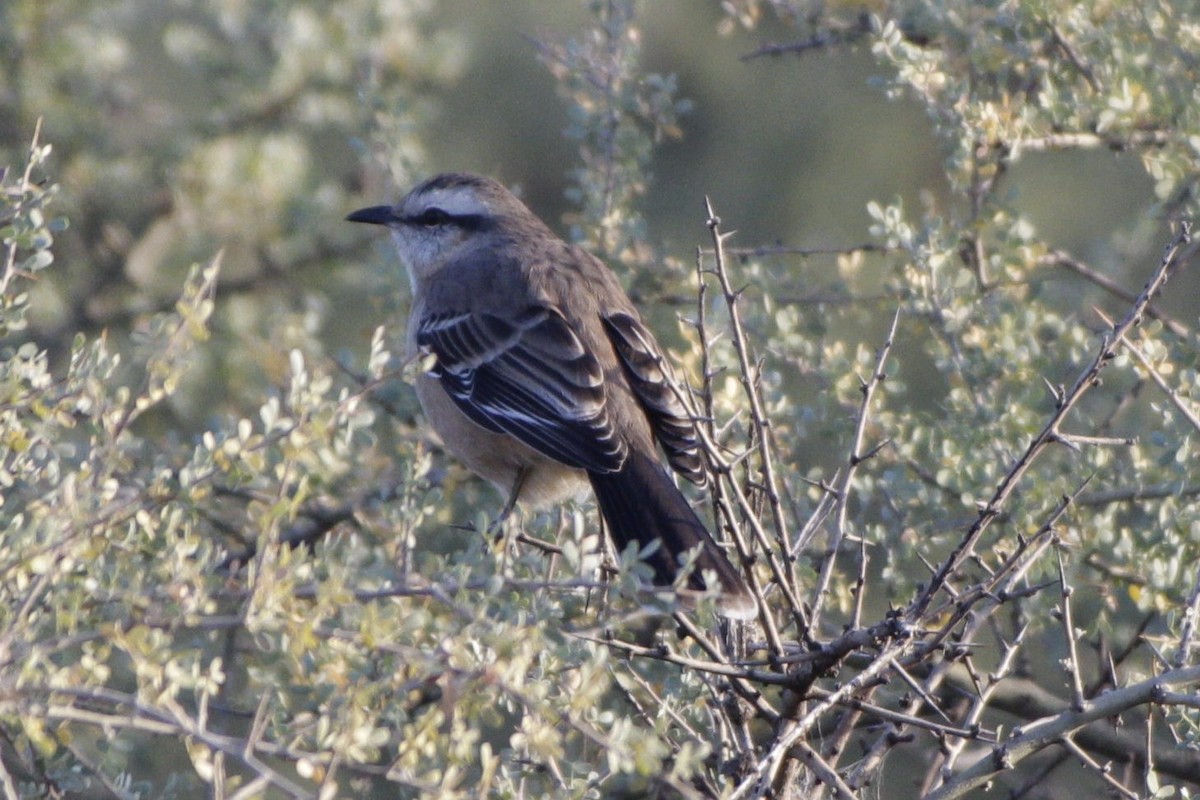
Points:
x=527 y=375
x=650 y=378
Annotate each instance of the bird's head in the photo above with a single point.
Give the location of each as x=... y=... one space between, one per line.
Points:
x=446 y=216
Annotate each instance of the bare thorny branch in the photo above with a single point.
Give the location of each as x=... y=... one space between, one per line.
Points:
x=747 y=370
x=842 y=491
x=903 y=641
x=1050 y=432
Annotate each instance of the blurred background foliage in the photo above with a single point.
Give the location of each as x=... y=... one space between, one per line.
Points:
x=182 y=129
x=949 y=159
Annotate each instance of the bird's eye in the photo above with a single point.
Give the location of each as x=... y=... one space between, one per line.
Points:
x=432 y=216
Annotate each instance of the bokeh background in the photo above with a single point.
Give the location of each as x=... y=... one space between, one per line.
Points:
x=182 y=129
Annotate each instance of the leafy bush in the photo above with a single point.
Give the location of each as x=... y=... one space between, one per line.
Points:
x=955 y=461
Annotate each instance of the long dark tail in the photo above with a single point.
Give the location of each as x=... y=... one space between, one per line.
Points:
x=641 y=503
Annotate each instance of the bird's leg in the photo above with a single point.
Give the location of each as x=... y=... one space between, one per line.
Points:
x=607 y=568
x=496 y=529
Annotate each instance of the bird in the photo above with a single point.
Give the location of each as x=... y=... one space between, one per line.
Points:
x=540 y=376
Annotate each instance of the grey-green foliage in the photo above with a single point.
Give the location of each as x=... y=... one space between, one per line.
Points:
x=991 y=306
x=617 y=114
x=183 y=129
x=151 y=595
x=119 y=603
x=1000 y=81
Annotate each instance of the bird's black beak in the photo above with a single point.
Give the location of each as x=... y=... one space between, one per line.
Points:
x=375 y=215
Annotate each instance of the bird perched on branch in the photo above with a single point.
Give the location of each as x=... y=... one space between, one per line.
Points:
x=544 y=378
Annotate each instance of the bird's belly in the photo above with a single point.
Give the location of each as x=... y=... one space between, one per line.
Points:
x=497 y=458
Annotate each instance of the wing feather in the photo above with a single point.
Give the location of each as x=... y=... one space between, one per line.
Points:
x=530 y=376
x=650 y=377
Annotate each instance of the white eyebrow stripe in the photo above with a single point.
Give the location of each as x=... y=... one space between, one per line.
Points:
x=456 y=202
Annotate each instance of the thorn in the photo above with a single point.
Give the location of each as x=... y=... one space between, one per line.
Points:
x=1057 y=392
x=1104 y=317
x=875 y=450
x=1055 y=436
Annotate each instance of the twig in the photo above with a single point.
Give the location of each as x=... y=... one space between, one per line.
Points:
x=1074 y=57
x=1103 y=770
x=153 y=720
x=1181 y=405
x=1060 y=258
x=721 y=491
x=1029 y=739
x=973 y=605
x=842 y=491
x=723 y=468
x=1191 y=618
x=1073 y=440
x=818 y=516
x=979 y=704
x=848 y=34
x=10 y=260
x=759 y=420
x=1001 y=585
x=1085 y=381
x=1179 y=699
x=660 y=704
x=1024 y=699
x=763 y=774
x=1078 y=140
x=965 y=733
x=666 y=654
x=765 y=250
x=824 y=772
x=1078 y=701
x=920 y=690
x=1160 y=491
